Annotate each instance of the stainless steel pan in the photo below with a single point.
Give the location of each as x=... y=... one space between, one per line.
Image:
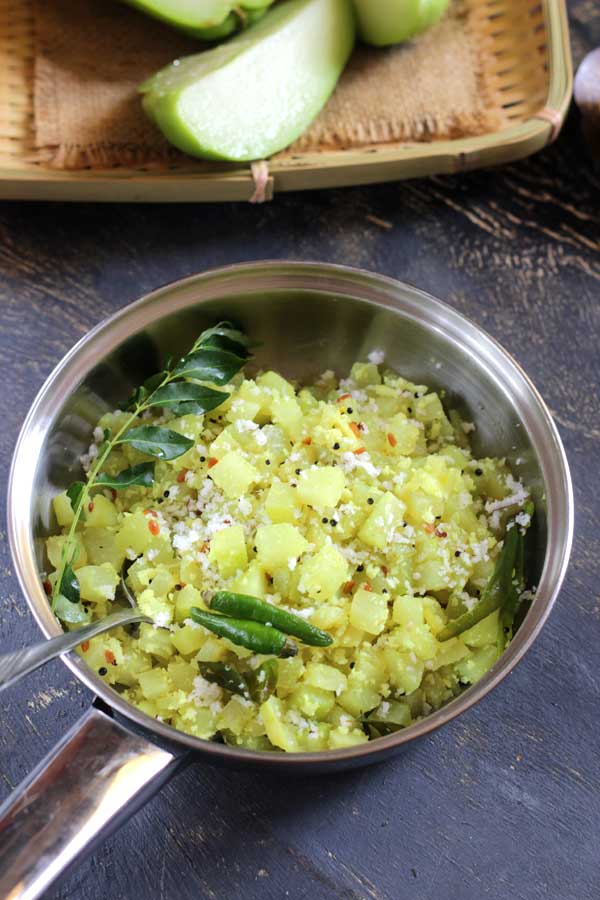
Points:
x=308 y=317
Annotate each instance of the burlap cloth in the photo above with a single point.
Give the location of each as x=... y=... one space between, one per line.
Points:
x=91 y=55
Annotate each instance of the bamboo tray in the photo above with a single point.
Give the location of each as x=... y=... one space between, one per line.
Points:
x=525 y=44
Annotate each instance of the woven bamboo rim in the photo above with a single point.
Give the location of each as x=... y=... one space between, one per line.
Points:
x=524 y=43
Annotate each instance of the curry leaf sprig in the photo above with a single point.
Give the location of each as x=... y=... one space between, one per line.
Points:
x=217 y=355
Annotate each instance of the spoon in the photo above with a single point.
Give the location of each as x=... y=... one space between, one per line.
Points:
x=587 y=97
x=19 y=663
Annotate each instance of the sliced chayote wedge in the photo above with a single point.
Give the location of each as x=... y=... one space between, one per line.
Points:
x=209 y=20
x=255 y=94
x=384 y=22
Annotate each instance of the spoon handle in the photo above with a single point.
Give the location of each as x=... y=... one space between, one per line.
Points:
x=21 y=662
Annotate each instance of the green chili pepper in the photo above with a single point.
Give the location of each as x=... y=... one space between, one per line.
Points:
x=517 y=585
x=496 y=592
x=252 y=635
x=376 y=728
x=379 y=723
x=511 y=607
x=248 y=742
x=226 y=677
x=260 y=611
x=263 y=681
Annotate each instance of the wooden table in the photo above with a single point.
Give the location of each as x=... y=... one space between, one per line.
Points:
x=503 y=803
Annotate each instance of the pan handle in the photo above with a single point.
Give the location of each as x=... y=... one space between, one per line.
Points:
x=90 y=783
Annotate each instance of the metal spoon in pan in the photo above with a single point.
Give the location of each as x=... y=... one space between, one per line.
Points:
x=19 y=663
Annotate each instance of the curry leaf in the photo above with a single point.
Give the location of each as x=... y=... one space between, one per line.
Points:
x=142 y=474
x=224 y=342
x=73 y=492
x=105 y=445
x=217 y=355
x=146 y=389
x=210 y=364
x=69 y=585
x=159 y=442
x=219 y=335
x=225 y=336
x=183 y=397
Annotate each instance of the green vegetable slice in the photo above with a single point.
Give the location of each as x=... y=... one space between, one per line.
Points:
x=385 y=22
x=256 y=93
x=73 y=613
x=207 y=20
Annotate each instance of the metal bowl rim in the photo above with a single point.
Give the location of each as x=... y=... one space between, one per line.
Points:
x=546 y=597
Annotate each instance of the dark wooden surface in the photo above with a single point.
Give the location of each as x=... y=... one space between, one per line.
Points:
x=503 y=803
